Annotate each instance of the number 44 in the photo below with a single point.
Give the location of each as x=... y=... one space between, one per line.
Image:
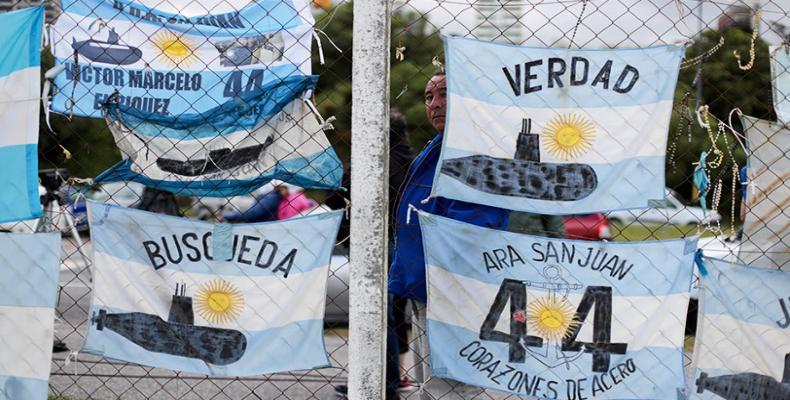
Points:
x=516 y=291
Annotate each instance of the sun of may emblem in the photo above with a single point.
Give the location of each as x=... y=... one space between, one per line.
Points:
x=551 y=317
x=568 y=136
x=219 y=301
x=174 y=50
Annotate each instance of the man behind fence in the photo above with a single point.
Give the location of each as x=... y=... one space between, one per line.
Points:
x=407 y=275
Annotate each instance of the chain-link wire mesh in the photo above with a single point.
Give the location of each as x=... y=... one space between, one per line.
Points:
x=713 y=31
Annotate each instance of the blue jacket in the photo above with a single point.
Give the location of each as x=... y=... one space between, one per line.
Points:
x=407 y=273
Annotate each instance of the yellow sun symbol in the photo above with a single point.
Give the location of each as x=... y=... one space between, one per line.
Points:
x=568 y=136
x=174 y=50
x=551 y=317
x=219 y=301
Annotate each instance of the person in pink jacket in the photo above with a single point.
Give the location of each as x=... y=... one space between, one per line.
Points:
x=294 y=202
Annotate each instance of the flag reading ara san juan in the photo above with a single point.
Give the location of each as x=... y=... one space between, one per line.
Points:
x=175 y=57
x=229 y=150
x=766 y=227
x=29 y=282
x=556 y=131
x=742 y=348
x=20 y=91
x=780 y=80
x=215 y=299
x=553 y=318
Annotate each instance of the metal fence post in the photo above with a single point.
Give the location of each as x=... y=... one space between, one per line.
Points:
x=369 y=184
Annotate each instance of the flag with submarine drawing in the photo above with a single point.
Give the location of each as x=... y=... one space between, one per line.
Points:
x=556 y=131
x=229 y=150
x=780 y=80
x=742 y=348
x=175 y=57
x=766 y=226
x=555 y=318
x=28 y=296
x=215 y=299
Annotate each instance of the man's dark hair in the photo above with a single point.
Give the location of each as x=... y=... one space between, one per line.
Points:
x=397 y=125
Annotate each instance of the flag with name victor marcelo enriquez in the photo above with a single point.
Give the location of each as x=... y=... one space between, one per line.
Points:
x=28 y=295
x=742 y=347
x=553 y=318
x=215 y=299
x=178 y=56
x=20 y=86
x=556 y=131
x=229 y=150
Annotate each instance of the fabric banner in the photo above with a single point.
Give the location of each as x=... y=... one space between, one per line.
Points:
x=20 y=93
x=554 y=318
x=175 y=60
x=766 y=228
x=742 y=349
x=230 y=150
x=780 y=80
x=28 y=294
x=556 y=131
x=215 y=299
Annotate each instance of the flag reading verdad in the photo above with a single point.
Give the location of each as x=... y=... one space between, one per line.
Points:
x=556 y=131
x=554 y=318
x=742 y=348
x=216 y=299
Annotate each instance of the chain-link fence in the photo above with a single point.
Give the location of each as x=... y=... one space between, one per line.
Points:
x=726 y=67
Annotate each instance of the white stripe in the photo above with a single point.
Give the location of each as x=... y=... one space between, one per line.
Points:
x=19 y=106
x=26 y=341
x=291 y=140
x=640 y=321
x=269 y=301
x=620 y=132
x=297 y=44
x=731 y=344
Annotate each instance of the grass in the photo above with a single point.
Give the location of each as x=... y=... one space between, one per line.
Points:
x=636 y=231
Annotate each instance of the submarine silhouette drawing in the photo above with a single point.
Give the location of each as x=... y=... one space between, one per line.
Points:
x=747 y=385
x=110 y=51
x=215 y=161
x=178 y=336
x=523 y=175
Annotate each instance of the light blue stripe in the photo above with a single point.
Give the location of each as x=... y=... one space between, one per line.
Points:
x=295 y=346
x=16 y=388
x=780 y=74
x=259 y=16
x=322 y=170
x=659 y=373
x=121 y=232
x=19 y=198
x=658 y=268
x=20 y=35
x=30 y=268
x=216 y=88
x=627 y=184
x=474 y=70
x=243 y=113
x=748 y=294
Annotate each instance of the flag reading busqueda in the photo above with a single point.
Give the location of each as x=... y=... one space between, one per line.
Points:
x=556 y=131
x=555 y=318
x=215 y=299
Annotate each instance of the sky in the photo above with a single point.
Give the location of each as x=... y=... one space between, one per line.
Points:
x=605 y=23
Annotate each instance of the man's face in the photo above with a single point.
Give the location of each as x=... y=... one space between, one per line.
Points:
x=436 y=101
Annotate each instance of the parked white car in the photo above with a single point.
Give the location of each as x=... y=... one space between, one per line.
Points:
x=669 y=210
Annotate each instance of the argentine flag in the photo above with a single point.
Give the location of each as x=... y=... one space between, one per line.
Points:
x=780 y=80
x=229 y=150
x=742 y=348
x=175 y=57
x=20 y=91
x=556 y=131
x=29 y=281
x=214 y=299
x=556 y=318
